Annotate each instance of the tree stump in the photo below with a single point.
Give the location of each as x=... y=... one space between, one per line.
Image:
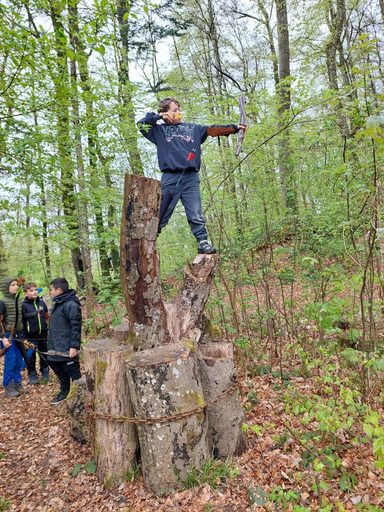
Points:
x=122 y=332
x=152 y=322
x=226 y=417
x=114 y=443
x=162 y=382
x=76 y=400
x=140 y=269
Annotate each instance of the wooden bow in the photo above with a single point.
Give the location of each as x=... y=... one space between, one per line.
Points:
x=243 y=121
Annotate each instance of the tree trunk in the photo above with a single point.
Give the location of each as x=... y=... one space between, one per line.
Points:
x=164 y=381
x=114 y=443
x=226 y=417
x=284 y=91
x=140 y=270
x=153 y=322
x=76 y=401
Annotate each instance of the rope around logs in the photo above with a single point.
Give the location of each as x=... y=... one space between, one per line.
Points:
x=160 y=419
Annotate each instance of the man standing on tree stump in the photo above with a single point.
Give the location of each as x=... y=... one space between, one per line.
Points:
x=179 y=155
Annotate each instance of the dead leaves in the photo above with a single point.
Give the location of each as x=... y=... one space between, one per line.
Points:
x=38 y=458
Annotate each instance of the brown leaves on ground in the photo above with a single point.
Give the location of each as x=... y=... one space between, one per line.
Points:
x=38 y=457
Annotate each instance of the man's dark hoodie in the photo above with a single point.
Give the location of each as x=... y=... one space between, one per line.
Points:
x=64 y=324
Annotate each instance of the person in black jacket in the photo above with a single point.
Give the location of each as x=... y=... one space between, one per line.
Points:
x=64 y=336
x=35 y=315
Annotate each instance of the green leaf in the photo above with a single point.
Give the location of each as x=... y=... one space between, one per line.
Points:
x=76 y=470
x=90 y=467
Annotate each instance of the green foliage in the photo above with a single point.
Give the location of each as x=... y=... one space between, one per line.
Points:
x=257 y=496
x=282 y=497
x=5 y=504
x=213 y=472
x=76 y=470
x=89 y=467
x=133 y=474
x=372 y=426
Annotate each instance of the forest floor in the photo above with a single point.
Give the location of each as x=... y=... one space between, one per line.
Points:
x=38 y=456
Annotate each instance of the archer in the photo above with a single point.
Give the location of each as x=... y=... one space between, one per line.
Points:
x=179 y=156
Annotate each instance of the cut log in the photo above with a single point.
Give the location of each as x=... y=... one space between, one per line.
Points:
x=152 y=322
x=76 y=400
x=140 y=269
x=162 y=382
x=114 y=443
x=226 y=437
x=122 y=332
x=187 y=309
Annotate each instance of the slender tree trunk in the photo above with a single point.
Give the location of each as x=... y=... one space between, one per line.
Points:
x=83 y=210
x=62 y=93
x=127 y=113
x=284 y=92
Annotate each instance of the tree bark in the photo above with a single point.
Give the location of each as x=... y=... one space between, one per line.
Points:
x=164 y=381
x=152 y=322
x=76 y=401
x=226 y=417
x=114 y=443
x=140 y=269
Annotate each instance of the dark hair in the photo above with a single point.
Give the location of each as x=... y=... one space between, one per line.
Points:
x=163 y=106
x=61 y=283
x=27 y=286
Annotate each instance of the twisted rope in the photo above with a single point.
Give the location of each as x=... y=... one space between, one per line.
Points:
x=161 y=419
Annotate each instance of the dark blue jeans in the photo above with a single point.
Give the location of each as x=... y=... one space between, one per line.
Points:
x=188 y=190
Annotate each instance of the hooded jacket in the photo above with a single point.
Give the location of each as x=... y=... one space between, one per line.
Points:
x=10 y=306
x=64 y=324
x=175 y=141
x=34 y=324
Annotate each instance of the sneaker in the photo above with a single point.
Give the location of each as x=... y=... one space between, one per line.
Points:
x=45 y=374
x=10 y=391
x=19 y=388
x=33 y=379
x=59 y=398
x=205 y=248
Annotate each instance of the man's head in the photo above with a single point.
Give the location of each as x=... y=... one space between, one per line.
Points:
x=58 y=286
x=170 y=110
x=30 y=290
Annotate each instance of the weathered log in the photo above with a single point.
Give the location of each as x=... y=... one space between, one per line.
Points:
x=79 y=417
x=225 y=417
x=187 y=309
x=122 y=332
x=140 y=269
x=152 y=322
x=114 y=443
x=162 y=382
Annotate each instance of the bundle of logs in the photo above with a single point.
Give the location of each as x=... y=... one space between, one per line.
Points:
x=165 y=388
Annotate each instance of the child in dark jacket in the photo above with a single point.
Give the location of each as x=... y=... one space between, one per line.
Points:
x=179 y=157
x=12 y=337
x=64 y=336
x=35 y=314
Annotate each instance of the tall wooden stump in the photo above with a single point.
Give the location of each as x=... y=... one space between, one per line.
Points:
x=226 y=417
x=164 y=381
x=140 y=269
x=114 y=443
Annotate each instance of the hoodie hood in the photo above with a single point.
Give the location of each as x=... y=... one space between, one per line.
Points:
x=65 y=296
x=4 y=286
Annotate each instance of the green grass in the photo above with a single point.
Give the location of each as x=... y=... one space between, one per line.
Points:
x=213 y=472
